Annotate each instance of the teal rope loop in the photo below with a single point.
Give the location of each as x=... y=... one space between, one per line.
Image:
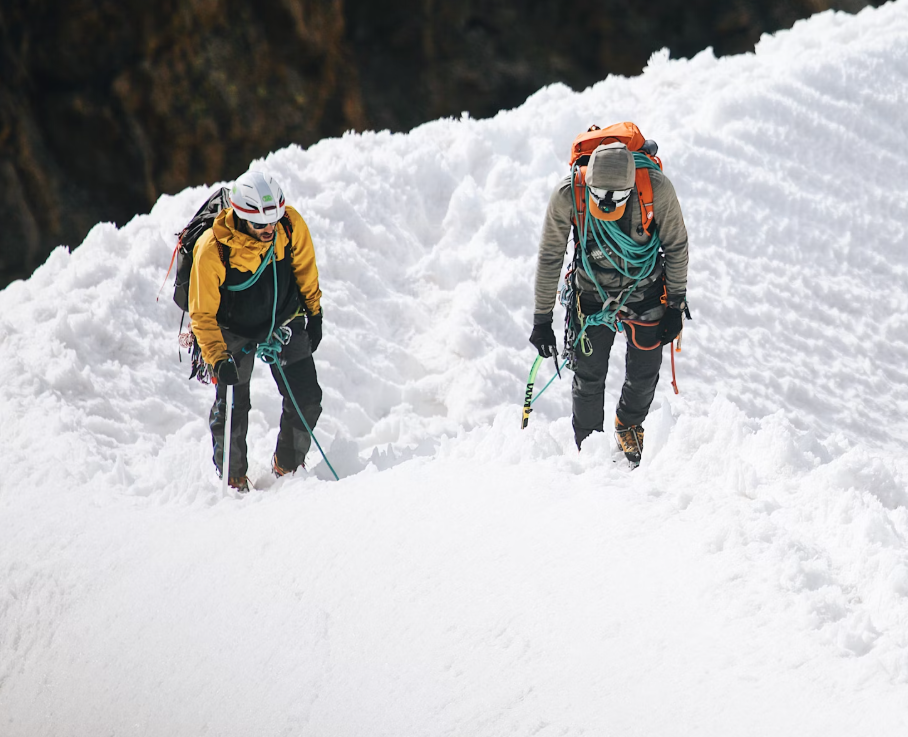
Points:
x=267 y=259
x=270 y=350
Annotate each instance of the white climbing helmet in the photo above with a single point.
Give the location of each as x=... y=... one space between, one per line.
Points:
x=257 y=197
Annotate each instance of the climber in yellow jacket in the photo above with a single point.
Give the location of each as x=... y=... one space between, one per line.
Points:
x=232 y=312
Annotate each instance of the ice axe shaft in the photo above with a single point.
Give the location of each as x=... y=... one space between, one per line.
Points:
x=228 y=425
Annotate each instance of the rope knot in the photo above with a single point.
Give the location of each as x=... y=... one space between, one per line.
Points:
x=270 y=350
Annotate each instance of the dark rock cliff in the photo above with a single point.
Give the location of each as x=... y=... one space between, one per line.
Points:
x=105 y=105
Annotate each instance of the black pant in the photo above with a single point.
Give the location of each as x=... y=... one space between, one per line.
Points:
x=640 y=378
x=293 y=440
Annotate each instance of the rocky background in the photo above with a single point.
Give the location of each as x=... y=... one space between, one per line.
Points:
x=107 y=104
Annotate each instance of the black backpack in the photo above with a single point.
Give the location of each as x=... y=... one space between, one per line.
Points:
x=200 y=222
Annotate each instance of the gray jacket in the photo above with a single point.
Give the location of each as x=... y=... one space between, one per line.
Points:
x=672 y=260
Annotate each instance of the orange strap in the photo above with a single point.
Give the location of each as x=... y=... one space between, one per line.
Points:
x=673 y=351
x=645 y=195
x=172 y=259
x=579 y=190
x=632 y=334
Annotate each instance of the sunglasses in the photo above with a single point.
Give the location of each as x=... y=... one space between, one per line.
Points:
x=609 y=200
x=259 y=226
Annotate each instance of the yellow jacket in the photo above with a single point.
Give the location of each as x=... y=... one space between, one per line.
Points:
x=244 y=256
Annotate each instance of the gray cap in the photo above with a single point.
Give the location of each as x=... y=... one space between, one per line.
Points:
x=611 y=167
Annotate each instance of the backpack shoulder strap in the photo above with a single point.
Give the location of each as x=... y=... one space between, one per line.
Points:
x=579 y=187
x=645 y=195
x=644 y=182
x=288 y=229
x=288 y=226
x=222 y=252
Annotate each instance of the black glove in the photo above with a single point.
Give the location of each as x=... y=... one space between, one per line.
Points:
x=226 y=371
x=670 y=324
x=543 y=339
x=314 y=328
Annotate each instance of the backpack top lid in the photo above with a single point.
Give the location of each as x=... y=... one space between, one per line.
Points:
x=627 y=133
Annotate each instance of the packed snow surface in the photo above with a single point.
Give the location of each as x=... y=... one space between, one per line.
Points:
x=465 y=577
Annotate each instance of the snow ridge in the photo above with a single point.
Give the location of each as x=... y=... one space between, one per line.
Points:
x=752 y=573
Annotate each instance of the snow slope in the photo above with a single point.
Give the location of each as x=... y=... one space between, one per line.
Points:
x=465 y=577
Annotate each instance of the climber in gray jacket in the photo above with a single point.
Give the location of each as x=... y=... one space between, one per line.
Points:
x=646 y=303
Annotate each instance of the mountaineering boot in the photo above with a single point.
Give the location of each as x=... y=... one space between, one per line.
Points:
x=277 y=470
x=630 y=441
x=238 y=483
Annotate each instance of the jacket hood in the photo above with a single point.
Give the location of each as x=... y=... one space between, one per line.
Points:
x=228 y=235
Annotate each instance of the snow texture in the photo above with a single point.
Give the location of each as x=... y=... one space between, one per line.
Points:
x=465 y=577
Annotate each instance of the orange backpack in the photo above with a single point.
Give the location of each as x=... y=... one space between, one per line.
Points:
x=628 y=134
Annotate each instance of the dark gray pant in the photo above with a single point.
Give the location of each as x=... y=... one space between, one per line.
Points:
x=293 y=440
x=640 y=379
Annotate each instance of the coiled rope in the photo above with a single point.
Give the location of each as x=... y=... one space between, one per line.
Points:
x=631 y=259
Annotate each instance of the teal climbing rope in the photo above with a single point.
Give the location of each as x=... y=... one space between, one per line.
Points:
x=269 y=351
x=268 y=258
x=632 y=260
x=306 y=424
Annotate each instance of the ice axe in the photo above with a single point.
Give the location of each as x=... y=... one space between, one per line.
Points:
x=225 y=461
